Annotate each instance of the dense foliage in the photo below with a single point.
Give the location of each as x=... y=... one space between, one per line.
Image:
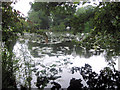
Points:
x=102 y=23
x=106 y=32
x=10 y=28
x=52 y=15
x=82 y=21
x=107 y=79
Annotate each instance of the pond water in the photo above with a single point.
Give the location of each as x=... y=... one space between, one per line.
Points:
x=53 y=60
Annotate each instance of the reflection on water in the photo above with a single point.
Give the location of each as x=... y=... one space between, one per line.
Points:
x=49 y=64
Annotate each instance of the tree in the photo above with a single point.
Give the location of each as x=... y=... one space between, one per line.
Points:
x=10 y=28
x=52 y=15
x=82 y=20
x=39 y=19
x=106 y=32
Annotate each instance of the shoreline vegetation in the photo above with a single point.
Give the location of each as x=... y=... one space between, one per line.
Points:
x=100 y=25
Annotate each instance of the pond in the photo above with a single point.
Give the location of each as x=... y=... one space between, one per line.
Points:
x=41 y=63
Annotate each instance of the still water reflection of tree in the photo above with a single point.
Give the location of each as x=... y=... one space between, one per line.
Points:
x=67 y=48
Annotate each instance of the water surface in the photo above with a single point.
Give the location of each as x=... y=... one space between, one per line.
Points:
x=54 y=59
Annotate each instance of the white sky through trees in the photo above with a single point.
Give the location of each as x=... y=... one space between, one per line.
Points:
x=24 y=6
